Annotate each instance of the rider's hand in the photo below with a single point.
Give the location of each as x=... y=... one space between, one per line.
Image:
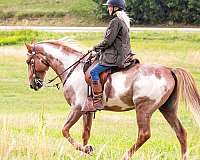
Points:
x=90 y=50
x=96 y=49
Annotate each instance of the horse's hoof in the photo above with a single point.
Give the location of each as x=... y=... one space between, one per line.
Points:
x=83 y=154
x=89 y=149
x=126 y=156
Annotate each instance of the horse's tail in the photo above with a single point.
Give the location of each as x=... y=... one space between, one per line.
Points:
x=188 y=90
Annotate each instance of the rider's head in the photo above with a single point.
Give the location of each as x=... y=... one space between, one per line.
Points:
x=115 y=5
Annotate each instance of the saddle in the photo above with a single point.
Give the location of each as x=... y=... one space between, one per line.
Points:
x=106 y=75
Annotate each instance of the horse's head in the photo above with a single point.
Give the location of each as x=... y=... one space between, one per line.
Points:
x=37 y=66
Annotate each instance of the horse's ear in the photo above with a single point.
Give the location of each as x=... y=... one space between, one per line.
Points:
x=29 y=47
x=33 y=41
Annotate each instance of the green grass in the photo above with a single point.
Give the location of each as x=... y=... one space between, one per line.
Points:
x=31 y=122
x=69 y=12
x=20 y=37
x=179 y=48
x=48 y=6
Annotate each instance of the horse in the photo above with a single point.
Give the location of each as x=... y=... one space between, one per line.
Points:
x=143 y=87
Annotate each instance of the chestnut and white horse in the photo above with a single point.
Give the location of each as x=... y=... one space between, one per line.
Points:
x=143 y=87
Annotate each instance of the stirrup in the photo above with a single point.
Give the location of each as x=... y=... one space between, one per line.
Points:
x=98 y=105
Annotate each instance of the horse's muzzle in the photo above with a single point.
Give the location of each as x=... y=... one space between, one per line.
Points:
x=36 y=84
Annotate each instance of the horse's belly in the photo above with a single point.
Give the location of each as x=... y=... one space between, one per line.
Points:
x=117 y=105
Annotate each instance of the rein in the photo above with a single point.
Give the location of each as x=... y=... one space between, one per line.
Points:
x=74 y=65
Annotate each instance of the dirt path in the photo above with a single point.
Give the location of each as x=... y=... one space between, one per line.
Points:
x=93 y=29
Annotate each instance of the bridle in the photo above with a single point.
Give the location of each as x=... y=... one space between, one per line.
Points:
x=31 y=62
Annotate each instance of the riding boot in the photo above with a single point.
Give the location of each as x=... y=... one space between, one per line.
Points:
x=97 y=95
x=88 y=107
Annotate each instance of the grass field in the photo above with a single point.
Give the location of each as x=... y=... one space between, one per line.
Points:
x=48 y=12
x=31 y=122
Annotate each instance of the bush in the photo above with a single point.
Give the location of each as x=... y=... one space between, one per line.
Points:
x=5 y=15
x=159 y=11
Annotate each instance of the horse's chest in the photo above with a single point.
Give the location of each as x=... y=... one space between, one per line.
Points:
x=76 y=89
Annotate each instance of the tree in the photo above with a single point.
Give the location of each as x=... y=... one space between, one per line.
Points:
x=158 y=11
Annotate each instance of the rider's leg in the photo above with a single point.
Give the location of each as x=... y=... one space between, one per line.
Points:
x=96 y=85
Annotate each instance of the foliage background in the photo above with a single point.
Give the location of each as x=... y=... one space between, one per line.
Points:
x=92 y=13
x=159 y=11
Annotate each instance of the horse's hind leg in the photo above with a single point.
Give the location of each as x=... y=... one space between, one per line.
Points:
x=143 y=113
x=169 y=112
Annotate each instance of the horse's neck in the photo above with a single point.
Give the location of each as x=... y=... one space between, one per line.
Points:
x=60 y=61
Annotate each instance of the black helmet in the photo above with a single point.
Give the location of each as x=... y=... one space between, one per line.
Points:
x=116 y=3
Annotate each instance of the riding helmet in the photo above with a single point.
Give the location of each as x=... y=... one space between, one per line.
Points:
x=116 y=3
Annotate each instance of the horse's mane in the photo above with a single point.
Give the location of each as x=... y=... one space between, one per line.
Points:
x=68 y=45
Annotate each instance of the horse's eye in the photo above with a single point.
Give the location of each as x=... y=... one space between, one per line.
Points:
x=27 y=61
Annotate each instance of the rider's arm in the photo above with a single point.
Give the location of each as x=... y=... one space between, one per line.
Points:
x=110 y=35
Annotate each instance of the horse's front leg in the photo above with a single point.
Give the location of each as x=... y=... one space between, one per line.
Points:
x=73 y=117
x=87 y=124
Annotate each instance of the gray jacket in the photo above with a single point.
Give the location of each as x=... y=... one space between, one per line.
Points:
x=116 y=44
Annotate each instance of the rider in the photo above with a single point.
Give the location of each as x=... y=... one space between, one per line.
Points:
x=114 y=48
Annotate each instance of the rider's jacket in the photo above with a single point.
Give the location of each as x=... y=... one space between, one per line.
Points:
x=116 y=44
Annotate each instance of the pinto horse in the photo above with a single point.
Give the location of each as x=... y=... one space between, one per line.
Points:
x=142 y=87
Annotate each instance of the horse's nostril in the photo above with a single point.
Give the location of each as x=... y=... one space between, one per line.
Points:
x=31 y=86
x=38 y=83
